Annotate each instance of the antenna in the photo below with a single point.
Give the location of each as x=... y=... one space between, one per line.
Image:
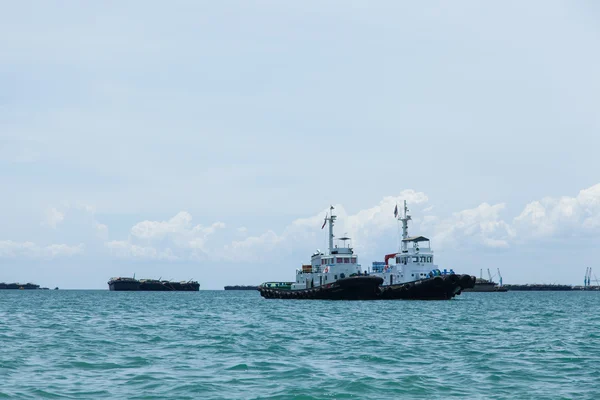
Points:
x=344 y=239
x=405 y=218
x=331 y=220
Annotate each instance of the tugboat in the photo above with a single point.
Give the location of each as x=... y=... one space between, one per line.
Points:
x=333 y=276
x=413 y=275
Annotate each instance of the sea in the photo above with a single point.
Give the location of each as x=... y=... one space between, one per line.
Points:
x=236 y=345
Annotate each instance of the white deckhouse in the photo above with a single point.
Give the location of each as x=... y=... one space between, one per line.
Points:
x=413 y=262
x=325 y=269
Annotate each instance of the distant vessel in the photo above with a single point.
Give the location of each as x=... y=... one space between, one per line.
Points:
x=17 y=286
x=487 y=285
x=333 y=276
x=411 y=273
x=242 y=287
x=151 y=285
x=539 y=287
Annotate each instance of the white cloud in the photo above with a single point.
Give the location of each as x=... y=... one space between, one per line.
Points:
x=124 y=249
x=78 y=219
x=366 y=228
x=11 y=249
x=53 y=217
x=179 y=238
x=373 y=230
x=101 y=231
x=57 y=250
x=562 y=217
x=481 y=225
x=254 y=248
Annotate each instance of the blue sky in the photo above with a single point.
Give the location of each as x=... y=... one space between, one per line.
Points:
x=207 y=139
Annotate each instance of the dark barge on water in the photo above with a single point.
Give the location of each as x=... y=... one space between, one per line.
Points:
x=19 y=286
x=241 y=287
x=539 y=287
x=151 y=285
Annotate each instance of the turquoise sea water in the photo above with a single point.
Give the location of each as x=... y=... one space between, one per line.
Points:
x=236 y=345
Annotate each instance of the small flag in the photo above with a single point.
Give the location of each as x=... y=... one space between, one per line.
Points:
x=324 y=222
x=396 y=211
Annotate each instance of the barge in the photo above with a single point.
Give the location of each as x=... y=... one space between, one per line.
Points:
x=241 y=287
x=19 y=286
x=151 y=285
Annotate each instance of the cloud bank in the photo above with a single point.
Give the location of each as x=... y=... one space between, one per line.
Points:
x=374 y=231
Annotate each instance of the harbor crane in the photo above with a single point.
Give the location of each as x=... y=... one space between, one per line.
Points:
x=499 y=277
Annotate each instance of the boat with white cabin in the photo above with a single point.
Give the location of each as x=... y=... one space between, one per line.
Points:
x=336 y=275
x=411 y=272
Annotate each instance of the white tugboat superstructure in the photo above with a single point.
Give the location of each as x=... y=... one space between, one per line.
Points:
x=335 y=275
x=414 y=261
x=340 y=262
x=411 y=273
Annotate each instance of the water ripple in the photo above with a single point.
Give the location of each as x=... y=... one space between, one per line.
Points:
x=233 y=345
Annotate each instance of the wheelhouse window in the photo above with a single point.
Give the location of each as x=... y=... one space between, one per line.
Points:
x=339 y=261
x=346 y=260
x=415 y=259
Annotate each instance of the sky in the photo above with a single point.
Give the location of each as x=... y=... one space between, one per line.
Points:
x=206 y=140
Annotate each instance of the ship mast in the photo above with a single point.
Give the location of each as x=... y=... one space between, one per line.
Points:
x=331 y=221
x=404 y=218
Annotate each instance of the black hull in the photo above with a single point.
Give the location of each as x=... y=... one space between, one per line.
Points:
x=124 y=286
x=171 y=286
x=443 y=287
x=237 y=287
x=152 y=286
x=353 y=288
x=19 y=286
x=539 y=287
x=478 y=289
